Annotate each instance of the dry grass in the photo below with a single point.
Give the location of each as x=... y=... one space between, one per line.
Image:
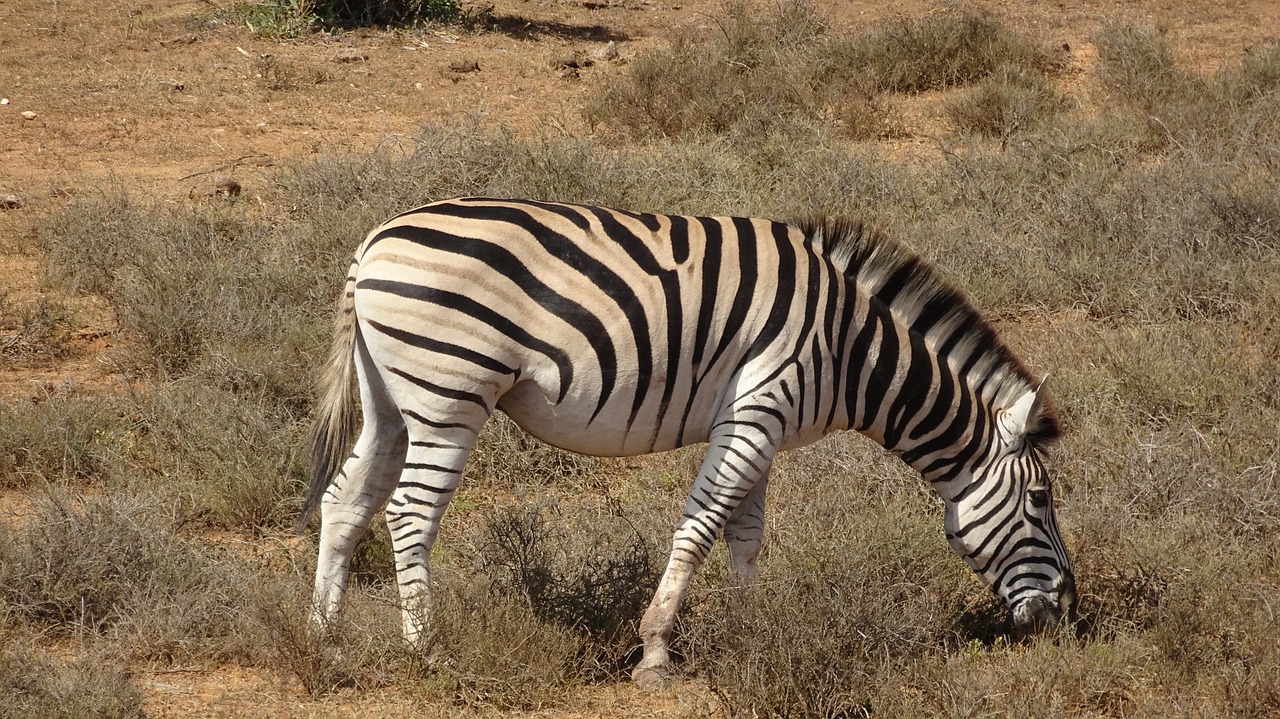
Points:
x=751 y=71
x=33 y=331
x=37 y=688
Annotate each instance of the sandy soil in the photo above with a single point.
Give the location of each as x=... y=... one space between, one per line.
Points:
x=164 y=97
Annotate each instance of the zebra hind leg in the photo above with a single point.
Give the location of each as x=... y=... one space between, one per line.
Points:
x=436 y=455
x=743 y=534
x=353 y=497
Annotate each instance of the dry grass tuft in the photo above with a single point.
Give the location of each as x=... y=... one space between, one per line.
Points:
x=36 y=688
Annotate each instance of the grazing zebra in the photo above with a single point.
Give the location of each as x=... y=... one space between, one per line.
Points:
x=615 y=333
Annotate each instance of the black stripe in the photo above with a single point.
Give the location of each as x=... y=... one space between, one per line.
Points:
x=643 y=257
x=444 y=348
x=433 y=423
x=428 y=467
x=744 y=297
x=470 y=307
x=878 y=322
x=442 y=391
x=710 y=284
x=914 y=391
x=679 y=235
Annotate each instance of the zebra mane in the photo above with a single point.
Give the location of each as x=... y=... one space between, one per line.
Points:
x=922 y=299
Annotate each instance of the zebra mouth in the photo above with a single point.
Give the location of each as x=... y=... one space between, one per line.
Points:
x=1035 y=614
x=1047 y=609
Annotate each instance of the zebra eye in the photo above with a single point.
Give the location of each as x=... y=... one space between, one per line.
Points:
x=1039 y=498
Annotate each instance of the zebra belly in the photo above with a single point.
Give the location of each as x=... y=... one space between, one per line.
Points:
x=569 y=424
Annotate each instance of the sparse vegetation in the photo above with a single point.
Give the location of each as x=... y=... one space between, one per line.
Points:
x=33 y=331
x=752 y=72
x=295 y=18
x=1131 y=252
x=1008 y=101
x=37 y=688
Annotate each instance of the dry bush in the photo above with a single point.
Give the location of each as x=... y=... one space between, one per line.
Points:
x=165 y=274
x=494 y=652
x=956 y=47
x=750 y=71
x=1008 y=101
x=590 y=575
x=360 y=649
x=1055 y=221
x=1232 y=116
x=1139 y=66
x=34 y=687
x=506 y=455
x=112 y=566
x=756 y=69
x=200 y=449
x=852 y=591
x=64 y=438
x=33 y=331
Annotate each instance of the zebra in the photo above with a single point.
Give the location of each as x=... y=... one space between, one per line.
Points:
x=615 y=333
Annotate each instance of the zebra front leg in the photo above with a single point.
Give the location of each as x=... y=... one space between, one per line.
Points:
x=432 y=470
x=738 y=458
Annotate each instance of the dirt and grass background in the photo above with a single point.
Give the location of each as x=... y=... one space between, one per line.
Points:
x=182 y=183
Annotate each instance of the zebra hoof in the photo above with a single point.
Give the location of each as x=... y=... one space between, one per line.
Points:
x=649 y=677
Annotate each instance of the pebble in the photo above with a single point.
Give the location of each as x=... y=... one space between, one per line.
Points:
x=348 y=56
x=11 y=202
x=29 y=115
x=608 y=53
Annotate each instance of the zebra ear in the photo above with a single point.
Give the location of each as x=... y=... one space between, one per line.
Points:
x=1023 y=417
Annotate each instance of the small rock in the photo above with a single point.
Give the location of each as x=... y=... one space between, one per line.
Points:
x=351 y=55
x=29 y=115
x=179 y=40
x=173 y=85
x=226 y=187
x=461 y=66
x=11 y=202
x=574 y=61
x=608 y=53
x=222 y=187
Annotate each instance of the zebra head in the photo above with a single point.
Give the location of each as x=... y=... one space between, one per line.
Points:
x=1002 y=521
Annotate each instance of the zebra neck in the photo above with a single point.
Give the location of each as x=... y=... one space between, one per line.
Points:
x=929 y=397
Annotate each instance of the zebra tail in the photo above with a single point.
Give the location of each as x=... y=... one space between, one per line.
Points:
x=334 y=422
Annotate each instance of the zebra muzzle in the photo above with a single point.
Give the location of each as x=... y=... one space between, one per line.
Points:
x=1041 y=611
